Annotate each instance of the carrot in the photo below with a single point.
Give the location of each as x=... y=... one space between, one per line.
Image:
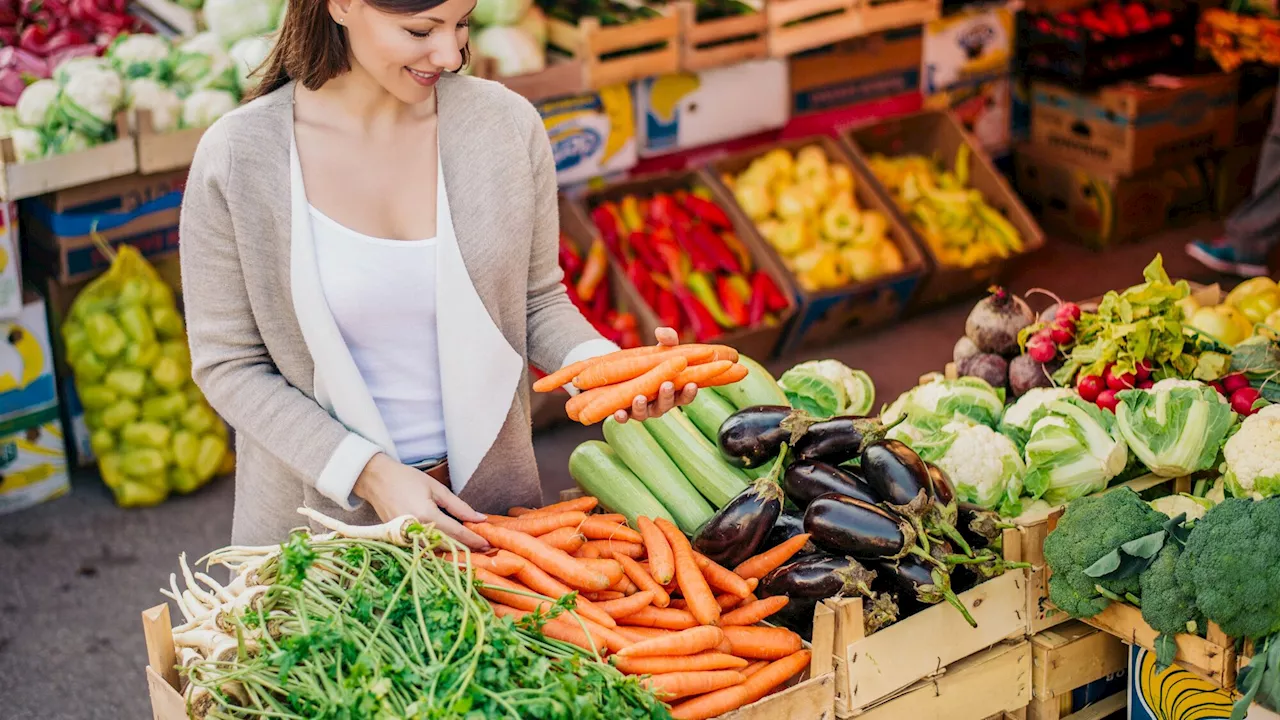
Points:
x=620 y=396
x=563 y=629
x=597 y=529
x=536 y=579
x=625 y=586
x=755 y=612
x=603 y=596
x=606 y=548
x=643 y=580
x=567 y=539
x=612 y=640
x=676 y=685
x=541 y=524
x=734 y=374
x=664 y=618
x=720 y=577
x=587 y=551
x=687 y=642
x=766 y=562
x=502 y=565
x=585 y=504
x=724 y=352
x=678 y=663
x=702 y=604
x=699 y=374
x=754 y=667
x=612 y=569
x=662 y=565
x=611 y=517
x=554 y=561
x=518 y=510
x=752 y=689
x=574 y=406
x=628 y=605
x=725 y=647
x=562 y=377
x=762 y=643
x=612 y=372
x=640 y=634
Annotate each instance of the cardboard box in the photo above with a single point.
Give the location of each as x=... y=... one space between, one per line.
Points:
x=1177 y=692
x=695 y=158
x=27 y=385
x=1134 y=126
x=33 y=468
x=856 y=72
x=591 y=134
x=939 y=134
x=1100 y=207
x=10 y=261
x=835 y=315
x=688 y=110
x=984 y=108
x=967 y=48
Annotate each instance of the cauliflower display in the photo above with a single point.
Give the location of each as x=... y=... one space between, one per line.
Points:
x=36 y=103
x=1252 y=467
x=1017 y=419
x=202 y=107
x=929 y=406
x=142 y=55
x=163 y=103
x=90 y=100
x=233 y=20
x=984 y=465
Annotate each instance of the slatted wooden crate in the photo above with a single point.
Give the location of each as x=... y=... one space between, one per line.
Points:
x=992 y=684
x=619 y=54
x=1212 y=657
x=116 y=158
x=561 y=78
x=163 y=152
x=879 y=15
x=1069 y=657
x=715 y=43
x=799 y=25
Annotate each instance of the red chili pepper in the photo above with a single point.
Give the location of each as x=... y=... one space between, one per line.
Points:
x=37 y=39
x=731 y=301
x=774 y=300
x=668 y=309
x=601 y=303
x=660 y=211
x=698 y=255
x=711 y=244
x=644 y=248
x=701 y=322
x=677 y=263
x=758 y=304
x=594 y=271
x=739 y=250
x=570 y=258
x=707 y=211
x=605 y=217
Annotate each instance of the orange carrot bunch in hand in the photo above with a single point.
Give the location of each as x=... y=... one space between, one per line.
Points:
x=612 y=382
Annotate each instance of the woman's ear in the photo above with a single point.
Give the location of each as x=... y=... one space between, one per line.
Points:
x=339 y=9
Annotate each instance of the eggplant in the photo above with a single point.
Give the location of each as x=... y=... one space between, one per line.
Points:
x=753 y=436
x=896 y=473
x=944 y=491
x=980 y=526
x=835 y=441
x=807 y=479
x=840 y=524
x=738 y=529
x=789 y=524
x=926 y=582
x=818 y=577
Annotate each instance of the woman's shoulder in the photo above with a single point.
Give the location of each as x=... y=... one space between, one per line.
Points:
x=492 y=99
x=256 y=129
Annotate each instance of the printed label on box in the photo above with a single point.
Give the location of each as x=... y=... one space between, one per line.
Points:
x=687 y=110
x=857 y=71
x=592 y=134
x=33 y=466
x=968 y=47
x=27 y=385
x=985 y=109
x=10 y=262
x=1174 y=693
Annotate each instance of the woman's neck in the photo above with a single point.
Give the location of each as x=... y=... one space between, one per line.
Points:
x=362 y=100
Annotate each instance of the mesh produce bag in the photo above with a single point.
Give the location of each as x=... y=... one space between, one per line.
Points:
x=150 y=426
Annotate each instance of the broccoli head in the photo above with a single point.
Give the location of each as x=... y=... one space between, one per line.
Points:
x=1231 y=563
x=1092 y=527
x=1168 y=606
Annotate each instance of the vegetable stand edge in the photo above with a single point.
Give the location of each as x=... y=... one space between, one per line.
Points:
x=60 y=172
x=1212 y=657
x=1067 y=658
x=162 y=676
x=993 y=683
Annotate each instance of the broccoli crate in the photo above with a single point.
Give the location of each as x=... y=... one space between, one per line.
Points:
x=622 y=53
x=833 y=315
x=1075 y=666
x=20 y=180
x=1212 y=657
x=870 y=669
x=992 y=683
x=164 y=151
x=712 y=43
x=937 y=133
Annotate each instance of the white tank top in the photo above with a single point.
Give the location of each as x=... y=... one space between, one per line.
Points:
x=382 y=296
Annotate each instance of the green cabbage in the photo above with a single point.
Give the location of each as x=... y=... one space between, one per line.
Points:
x=825 y=388
x=233 y=20
x=1175 y=428
x=1073 y=450
x=1020 y=416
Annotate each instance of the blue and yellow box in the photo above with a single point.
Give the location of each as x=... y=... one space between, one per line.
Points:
x=592 y=134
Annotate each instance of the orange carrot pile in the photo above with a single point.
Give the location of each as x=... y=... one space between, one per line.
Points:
x=612 y=382
x=646 y=600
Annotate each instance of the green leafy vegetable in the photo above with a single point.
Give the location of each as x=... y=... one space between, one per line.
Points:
x=1175 y=428
x=825 y=388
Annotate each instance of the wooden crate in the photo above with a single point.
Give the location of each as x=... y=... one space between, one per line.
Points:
x=993 y=683
x=880 y=15
x=561 y=78
x=870 y=669
x=1066 y=658
x=725 y=41
x=59 y=172
x=809 y=698
x=1212 y=657
x=163 y=152
x=799 y=25
x=622 y=54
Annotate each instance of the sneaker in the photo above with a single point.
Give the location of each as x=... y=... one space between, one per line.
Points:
x=1220 y=256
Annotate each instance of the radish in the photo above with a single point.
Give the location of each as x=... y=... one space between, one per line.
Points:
x=1125 y=381
x=1090 y=386
x=994 y=323
x=1107 y=400
x=1232 y=383
x=1062 y=333
x=1146 y=384
x=1242 y=400
x=1041 y=349
x=1143 y=370
x=1069 y=312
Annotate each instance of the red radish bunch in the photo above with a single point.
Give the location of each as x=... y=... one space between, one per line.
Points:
x=1102 y=389
x=1043 y=346
x=1237 y=390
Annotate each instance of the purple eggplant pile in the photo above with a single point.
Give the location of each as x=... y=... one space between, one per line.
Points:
x=883 y=524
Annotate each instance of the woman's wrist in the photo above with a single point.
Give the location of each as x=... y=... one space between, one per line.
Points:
x=371 y=477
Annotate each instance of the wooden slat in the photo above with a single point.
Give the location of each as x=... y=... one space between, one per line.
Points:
x=166 y=702
x=1215 y=663
x=824 y=633
x=1102 y=709
x=781 y=12
x=1072 y=656
x=605 y=40
x=163 y=152
x=987 y=684
x=158 y=632
x=900 y=14
x=810 y=699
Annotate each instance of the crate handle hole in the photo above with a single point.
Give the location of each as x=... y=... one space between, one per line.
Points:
x=1081 y=129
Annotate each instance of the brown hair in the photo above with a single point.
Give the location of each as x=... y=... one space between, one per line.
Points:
x=312 y=49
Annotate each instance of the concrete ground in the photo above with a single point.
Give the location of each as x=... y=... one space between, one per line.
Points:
x=76 y=572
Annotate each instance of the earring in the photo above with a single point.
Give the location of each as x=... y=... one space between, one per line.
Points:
x=340 y=21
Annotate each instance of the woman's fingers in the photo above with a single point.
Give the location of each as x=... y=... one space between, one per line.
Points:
x=665 y=402
x=667 y=336
x=621 y=416
x=453 y=504
x=640 y=408
x=687 y=395
x=453 y=529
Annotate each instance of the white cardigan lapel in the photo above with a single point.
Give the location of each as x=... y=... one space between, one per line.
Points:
x=339 y=387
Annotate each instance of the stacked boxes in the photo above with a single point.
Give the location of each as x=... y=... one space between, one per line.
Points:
x=966 y=68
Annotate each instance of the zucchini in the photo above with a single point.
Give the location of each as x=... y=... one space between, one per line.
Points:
x=757 y=388
x=651 y=465
x=708 y=411
x=600 y=472
x=697 y=458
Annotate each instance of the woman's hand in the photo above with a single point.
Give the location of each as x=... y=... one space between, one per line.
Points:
x=668 y=398
x=394 y=489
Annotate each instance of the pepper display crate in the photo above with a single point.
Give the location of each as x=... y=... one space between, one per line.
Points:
x=1068 y=658
x=619 y=54
x=58 y=172
x=707 y=44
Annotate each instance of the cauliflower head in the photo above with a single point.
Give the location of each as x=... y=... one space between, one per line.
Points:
x=1191 y=506
x=1016 y=422
x=934 y=404
x=71 y=67
x=90 y=100
x=163 y=103
x=203 y=107
x=36 y=104
x=202 y=63
x=140 y=55
x=1252 y=467
x=233 y=20
x=984 y=465
x=28 y=144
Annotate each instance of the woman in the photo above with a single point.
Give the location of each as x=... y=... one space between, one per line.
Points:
x=369 y=267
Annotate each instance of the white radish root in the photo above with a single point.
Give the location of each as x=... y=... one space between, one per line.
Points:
x=175 y=595
x=394 y=531
x=218 y=588
x=204 y=596
x=205 y=641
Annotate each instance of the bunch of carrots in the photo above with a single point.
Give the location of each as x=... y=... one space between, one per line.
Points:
x=610 y=383
x=646 y=600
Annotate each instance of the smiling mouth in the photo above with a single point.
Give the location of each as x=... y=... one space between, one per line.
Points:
x=423 y=75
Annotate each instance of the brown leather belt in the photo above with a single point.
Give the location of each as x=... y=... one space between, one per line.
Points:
x=438 y=471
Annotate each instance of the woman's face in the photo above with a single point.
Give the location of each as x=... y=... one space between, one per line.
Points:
x=406 y=53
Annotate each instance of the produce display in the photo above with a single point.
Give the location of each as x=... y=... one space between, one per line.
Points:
x=512 y=33
x=804 y=205
x=1109 y=19
x=1254 y=303
x=1233 y=37
x=681 y=253
x=955 y=220
x=587 y=281
x=610 y=13
x=150 y=426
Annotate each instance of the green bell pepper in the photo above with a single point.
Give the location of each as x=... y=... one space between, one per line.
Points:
x=212 y=449
x=168 y=374
x=165 y=407
x=119 y=415
x=146 y=434
x=129 y=383
x=105 y=335
x=97 y=397
x=137 y=324
x=168 y=322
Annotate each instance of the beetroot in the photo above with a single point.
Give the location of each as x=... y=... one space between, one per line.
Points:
x=994 y=323
x=1025 y=373
x=964 y=349
x=988 y=366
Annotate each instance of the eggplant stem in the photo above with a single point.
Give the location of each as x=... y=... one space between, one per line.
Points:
x=920 y=553
x=798 y=423
x=942 y=585
x=954 y=535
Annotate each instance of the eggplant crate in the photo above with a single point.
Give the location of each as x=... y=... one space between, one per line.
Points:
x=1071 y=665
x=619 y=54
x=707 y=44
x=992 y=684
x=116 y=158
